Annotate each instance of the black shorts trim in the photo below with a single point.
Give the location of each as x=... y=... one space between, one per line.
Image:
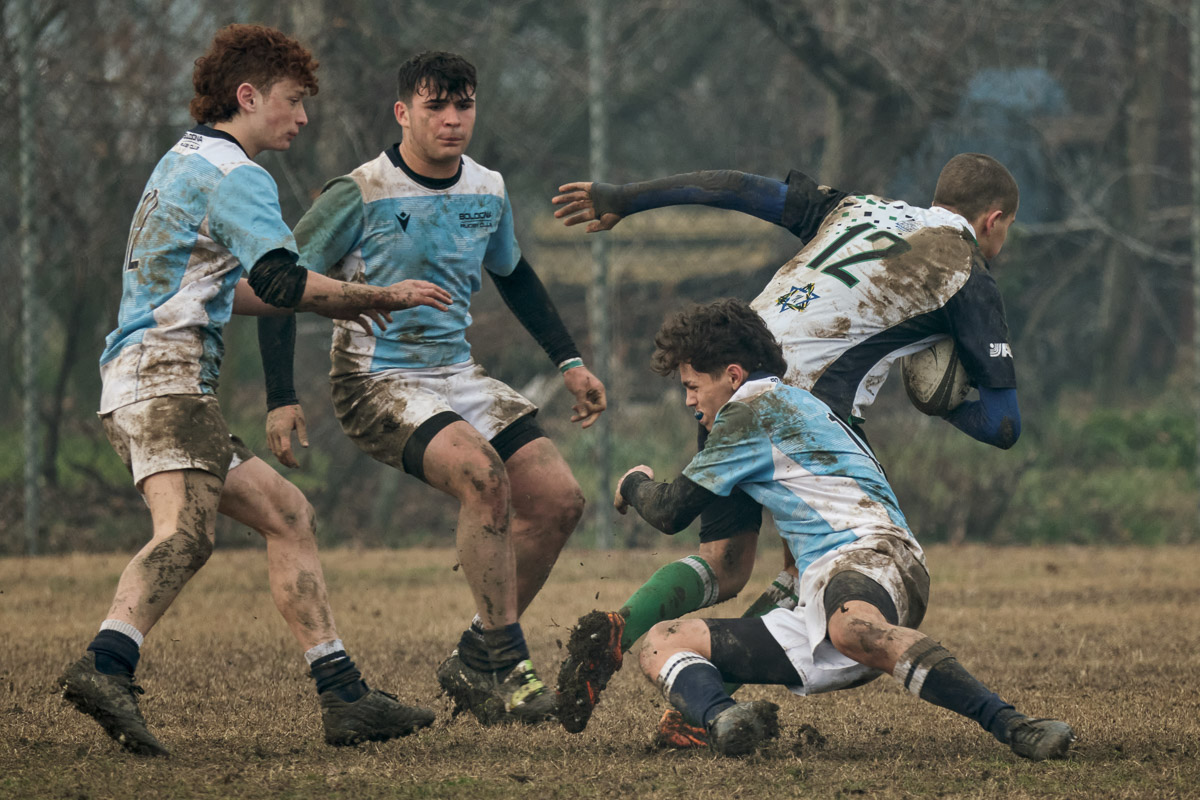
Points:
x=730 y=516
x=849 y=585
x=744 y=651
x=520 y=433
x=414 y=449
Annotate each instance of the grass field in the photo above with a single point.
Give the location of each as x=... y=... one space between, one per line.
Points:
x=1107 y=639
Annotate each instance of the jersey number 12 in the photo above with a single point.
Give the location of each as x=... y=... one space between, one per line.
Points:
x=838 y=268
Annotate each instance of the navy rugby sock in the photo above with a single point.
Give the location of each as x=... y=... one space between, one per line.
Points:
x=693 y=685
x=929 y=671
x=116 y=653
x=496 y=651
x=336 y=673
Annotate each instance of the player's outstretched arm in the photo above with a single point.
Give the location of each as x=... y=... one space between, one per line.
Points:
x=586 y=201
x=342 y=300
x=246 y=303
x=603 y=205
x=277 y=279
x=669 y=507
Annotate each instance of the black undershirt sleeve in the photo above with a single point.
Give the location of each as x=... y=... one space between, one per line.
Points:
x=277 y=347
x=526 y=297
x=807 y=204
x=980 y=330
x=278 y=279
x=669 y=507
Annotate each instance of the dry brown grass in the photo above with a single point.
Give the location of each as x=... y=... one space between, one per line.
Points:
x=1108 y=639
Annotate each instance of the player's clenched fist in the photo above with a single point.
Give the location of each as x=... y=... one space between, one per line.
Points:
x=619 y=502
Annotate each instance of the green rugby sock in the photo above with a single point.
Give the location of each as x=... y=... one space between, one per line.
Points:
x=680 y=587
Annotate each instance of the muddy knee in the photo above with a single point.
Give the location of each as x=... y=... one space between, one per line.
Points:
x=179 y=556
x=669 y=637
x=563 y=512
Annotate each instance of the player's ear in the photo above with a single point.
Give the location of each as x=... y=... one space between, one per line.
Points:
x=401 y=112
x=990 y=219
x=247 y=97
x=736 y=374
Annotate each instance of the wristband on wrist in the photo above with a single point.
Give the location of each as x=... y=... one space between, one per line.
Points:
x=570 y=363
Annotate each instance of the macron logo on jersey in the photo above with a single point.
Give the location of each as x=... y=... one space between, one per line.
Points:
x=999 y=350
x=403 y=219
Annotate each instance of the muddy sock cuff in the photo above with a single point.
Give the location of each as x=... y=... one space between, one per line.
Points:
x=124 y=627
x=706 y=574
x=913 y=667
x=317 y=652
x=337 y=673
x=780 y=594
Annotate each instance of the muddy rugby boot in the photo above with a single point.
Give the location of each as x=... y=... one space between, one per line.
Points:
x=111 y=700
x=674 y=732
x=593 y=656
x=518 y=696
x=1040 y=739
x=375 y=717
x=740 y=729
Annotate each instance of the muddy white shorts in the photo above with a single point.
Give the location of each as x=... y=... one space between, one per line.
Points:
x=179 y=431
x=382 y=411
x=896 y=565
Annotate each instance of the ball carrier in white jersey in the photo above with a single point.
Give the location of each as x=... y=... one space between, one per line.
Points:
x=412 y=396
x=863 y=586
x=876 y=279
x=208 y=216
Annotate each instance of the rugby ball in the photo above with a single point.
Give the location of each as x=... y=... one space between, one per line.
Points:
x=935 y=379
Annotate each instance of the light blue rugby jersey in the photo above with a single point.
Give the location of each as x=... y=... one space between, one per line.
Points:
x=787 y=450
x=380 y=225
x=208 y=213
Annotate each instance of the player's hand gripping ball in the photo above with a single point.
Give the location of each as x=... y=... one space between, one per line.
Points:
x=935 y=379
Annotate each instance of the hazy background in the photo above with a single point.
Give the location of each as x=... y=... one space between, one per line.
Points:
x=1086 y=102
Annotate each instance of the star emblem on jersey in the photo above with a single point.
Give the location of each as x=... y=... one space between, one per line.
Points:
x=403 y=218
x=797 y=299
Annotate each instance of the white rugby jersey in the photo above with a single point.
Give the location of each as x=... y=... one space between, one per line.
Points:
x=790 y=452
x=208 y=213
x=876 y=280
x=382 y=223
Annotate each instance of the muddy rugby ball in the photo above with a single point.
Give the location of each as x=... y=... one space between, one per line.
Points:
x=935 y=379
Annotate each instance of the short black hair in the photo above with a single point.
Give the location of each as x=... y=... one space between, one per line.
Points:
x=710 y=337
x=438 y=73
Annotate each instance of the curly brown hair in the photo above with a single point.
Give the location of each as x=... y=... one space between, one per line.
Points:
x=253 y=54
x=711 y=337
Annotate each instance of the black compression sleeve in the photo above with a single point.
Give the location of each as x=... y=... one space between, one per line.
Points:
x=738 y=191
x=277 y=346
x=669 y=507
x=277 y=279
x=526 y=297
